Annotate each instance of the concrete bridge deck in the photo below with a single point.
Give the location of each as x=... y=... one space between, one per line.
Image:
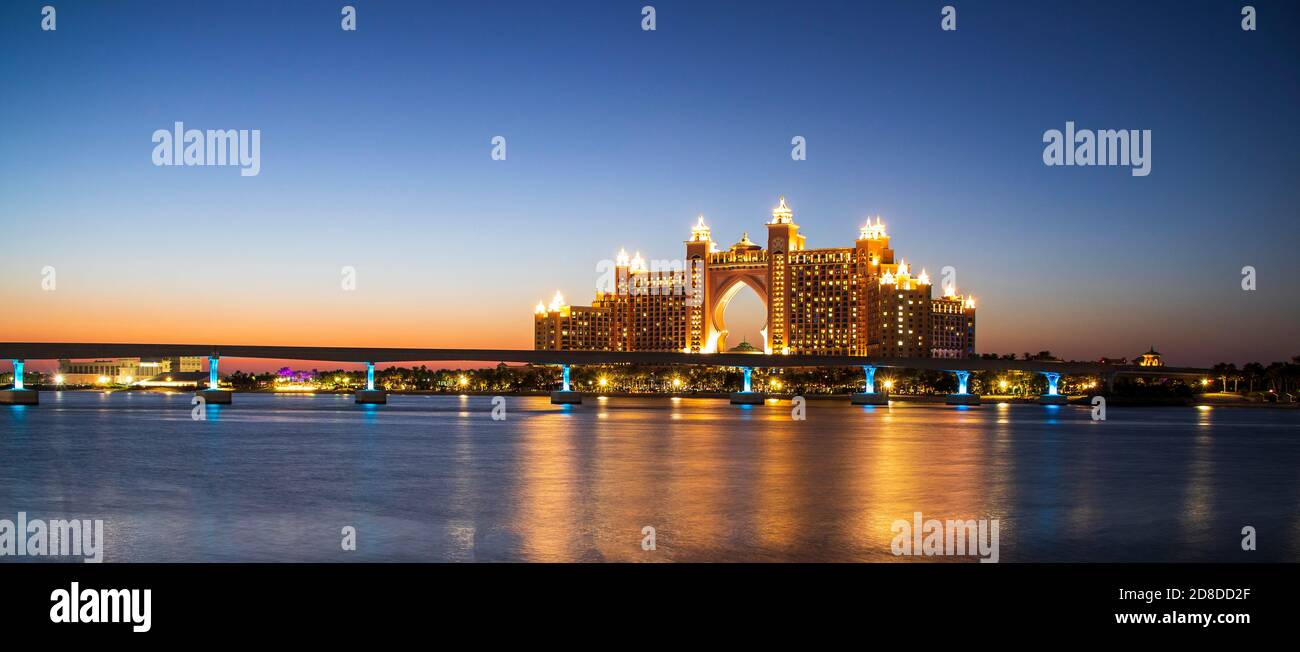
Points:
x=77 y=351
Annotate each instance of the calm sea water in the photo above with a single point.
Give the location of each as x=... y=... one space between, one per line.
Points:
x=276 y=478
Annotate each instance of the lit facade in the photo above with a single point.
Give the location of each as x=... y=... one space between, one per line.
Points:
x=561 y=327
x=1150 y=359
x=952 y=332
x=838 y=301
x=124 y=371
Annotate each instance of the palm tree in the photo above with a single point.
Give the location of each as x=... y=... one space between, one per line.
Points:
x=1253 y=371
x=1276 y=373
x=1290 y=373
x=1223 y=370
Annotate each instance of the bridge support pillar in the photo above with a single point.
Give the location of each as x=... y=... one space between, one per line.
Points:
x=19 y=395
x=370 y=395
x=565 y=396
x=1052 y=397
x=213 y=395
x=747 y=396
x=869 y=396
x=962 y=397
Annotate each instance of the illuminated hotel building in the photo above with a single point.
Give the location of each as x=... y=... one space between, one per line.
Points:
x=647 y=311
x=124 y=371
x=840 y=301
x=561 y=327
x=952 y=320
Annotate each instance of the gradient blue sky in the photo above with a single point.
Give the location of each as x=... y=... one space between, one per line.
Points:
x=375 y=154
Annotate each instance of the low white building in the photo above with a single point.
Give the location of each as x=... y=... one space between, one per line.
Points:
x=124 y=371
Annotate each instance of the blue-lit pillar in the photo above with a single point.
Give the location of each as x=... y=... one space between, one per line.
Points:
x=1052 y=379
x=370 y=395
x=564 y=395
x=18 y=395
x=747 y=395
x=1052 y=397
x=213 y=393
x=869 y=395
x=963 y=395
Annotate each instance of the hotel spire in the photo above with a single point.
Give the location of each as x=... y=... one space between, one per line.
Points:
x=700 y=232
x=782 y=213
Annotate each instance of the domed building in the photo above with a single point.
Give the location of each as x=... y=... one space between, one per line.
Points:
x=745 y=244
x=1150 y=359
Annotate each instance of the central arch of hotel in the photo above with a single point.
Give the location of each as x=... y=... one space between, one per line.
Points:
x=722 y=273
x=723 y=286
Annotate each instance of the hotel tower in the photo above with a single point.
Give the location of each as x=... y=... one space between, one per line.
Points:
x=843 y=301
